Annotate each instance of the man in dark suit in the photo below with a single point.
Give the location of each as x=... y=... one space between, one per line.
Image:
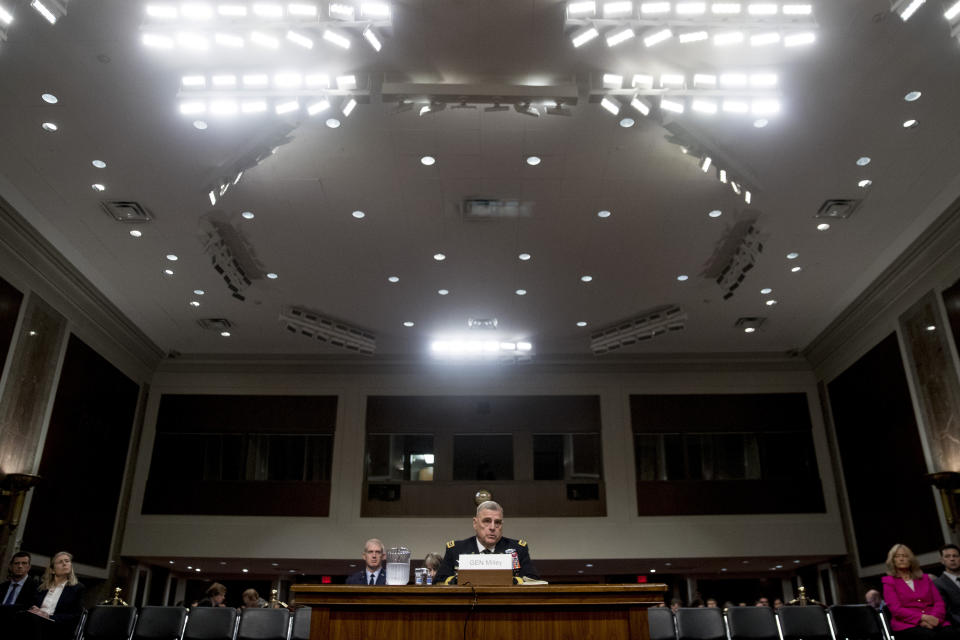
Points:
x=21 y=588
x=488 y=526
x=948 y=584
x=374 y=573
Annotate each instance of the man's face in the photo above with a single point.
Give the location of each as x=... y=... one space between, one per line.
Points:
x=950 y=559
x=373 y=556
x=19 y=567
x=489 y=527
x=763 y=602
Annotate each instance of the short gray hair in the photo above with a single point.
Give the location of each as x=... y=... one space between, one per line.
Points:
x=489 y=505
x=375 y=541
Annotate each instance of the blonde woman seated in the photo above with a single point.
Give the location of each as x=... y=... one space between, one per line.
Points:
x=60 y=598
x=917 y=611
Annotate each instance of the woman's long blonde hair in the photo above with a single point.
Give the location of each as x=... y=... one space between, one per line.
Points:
x=915 y=569
x=49 y=580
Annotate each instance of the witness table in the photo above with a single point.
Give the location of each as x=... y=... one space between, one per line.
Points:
x=533 y=612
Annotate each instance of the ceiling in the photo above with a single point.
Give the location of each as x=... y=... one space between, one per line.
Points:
x=842 y=98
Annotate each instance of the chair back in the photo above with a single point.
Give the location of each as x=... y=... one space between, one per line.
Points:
x=752 y=623
x=660 y=621
x=856 y=622
x=211 y=623
x=700 y=623
x=105 y=622
x=804 y=623
x=160 y=623
x=301 y=624
x=264 y=624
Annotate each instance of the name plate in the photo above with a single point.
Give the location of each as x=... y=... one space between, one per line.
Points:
x=484 y=561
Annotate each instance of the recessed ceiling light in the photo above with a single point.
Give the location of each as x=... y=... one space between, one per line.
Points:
x=359 y=215
x=586 y=278
x=248 y=215
x=793 y=255
x=171 y=561
x=716 y=213
x=823 y=226
x=910 y=124
x=393 y=279
x=272 y=276
x=274 y=564
x=683 y=278
x=194 y=303
x=770 y=303
x=626 y=123
x=428 y=161
x=439 y=257
x=766 y=290
x=913 y=96
x=931 y=327
x=333 y=123
x=50 y=98
x=136 y=233
x=225 y=334
x=863 y=184
x=199 y=292
x=533 y=160
x=863 y=161
x=99 y=164
x=524 y=256
x=199 y=124
x=653 y=570
x=603 y=214
x=189 y=566
x=796 y=269
x=172 y=257
x=581 y=323
x=521 y=292
x=750 y=330
x=96 y=186
x=168 y=272
x=49 y=126
x=443 y=292
x=245 y=570
x=408 y=324
x=760 y=123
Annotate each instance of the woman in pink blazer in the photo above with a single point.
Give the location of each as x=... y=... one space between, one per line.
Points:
x=916 y=608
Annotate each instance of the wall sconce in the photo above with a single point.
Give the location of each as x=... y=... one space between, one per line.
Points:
x=13 y=491
x=948 y=482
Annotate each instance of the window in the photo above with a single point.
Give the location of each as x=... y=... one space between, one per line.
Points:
x=399 y=457
x=566 y=456
x=483 y=457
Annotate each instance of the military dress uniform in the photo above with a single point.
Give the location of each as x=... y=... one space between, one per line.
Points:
x=447 y=573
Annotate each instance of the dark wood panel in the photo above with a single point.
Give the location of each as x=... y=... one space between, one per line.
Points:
x=186 y=413
x=290 y=498
x=10 y=301
x=719 y=413
x=951 y=300
x=728 y=497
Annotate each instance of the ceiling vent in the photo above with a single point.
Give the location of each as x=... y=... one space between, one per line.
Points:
x=215 y=324
x=653 y=323
x=487 y=209
x=126 y=211
x=482 y=323
x=839 y=208
x=310 y=324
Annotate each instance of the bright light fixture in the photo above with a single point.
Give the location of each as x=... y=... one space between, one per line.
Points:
x=796 y=269
x=272 y=276
x=439 y=257
x=44 y=11
x=584 y=36
x=223 y=108
x=393 y=279
x=162 y=11
x=577 y=9
x=336 y=39
x=910 y=124
x=359 y=215
x=371 y=37
x=317 y=107
x=96 y=186
x=640 y=105
x=300 y=39
x=524 y=257
x=99 y=164
x=194 y=303
x=586 y=278
x=408 y=324
x=793 y=255
x=671 y=105
x=287 y=80
x=657 y=37
x=136 y=233
x=683 y=277
x=762 y=9
x=799 y=39
x=342 y=11
x=763 y=80
x=428 y=161
x=193 y=81
x=267 y=10
x=863 y=184
x=521 y=292
x=192 y=107
x=610 y=105
x=693 y=36
x=603 y=213
x=302 y=10
x=913 y=96
x=612 y=81
x=823 y=226
x=704 y=80
x=733 y=79
x=716 y=213
x=157 y=41
x=723 y=176
x=617 y=9
x=626 y=123
x=224 y=80
x=168 y=272
x=287 y=107
x=232 y=10
x=348 y=107
x=618 y=37
x=726 y=8
x=728 y=38
x=256 y=80
x=760 y=123
x=194 y=41
x=674 y=80
x=379 y=10
x=248 y=215
x=863 y=161
x=581 y=323
x=708 y=107
x=443 y=292
x=533 y=160
x=264 y=40
x=705 y=163
x=196 y=11
x=953 y=11
x=649 y=8
x=199 y=124
x=643 y=81
x=910 y=9
x=801 y=9
x=253 y=106
x=172 y=257
x=763 y=39
x=691 y=8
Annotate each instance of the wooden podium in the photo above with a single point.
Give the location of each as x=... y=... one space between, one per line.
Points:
x=530 y=612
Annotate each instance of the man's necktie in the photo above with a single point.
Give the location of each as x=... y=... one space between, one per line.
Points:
x=487 y=551
x=12 y=595
x=372 y=580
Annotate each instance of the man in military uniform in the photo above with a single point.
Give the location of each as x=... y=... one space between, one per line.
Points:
x=488 y=525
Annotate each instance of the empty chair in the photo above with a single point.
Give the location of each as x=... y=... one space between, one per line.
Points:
x=856 y=622
x=701 y=623
x=264 y=624
x=301 y=624
x=804 y=623
x=210 y=623
x=160 y=623
x=107 y=622
x=752 y=623
x=661 y=624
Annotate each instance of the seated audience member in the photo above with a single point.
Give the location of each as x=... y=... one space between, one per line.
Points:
x=432 y=563
x=252 y=600
x=21 y=588
x=675 y=604
x=374 y=573
x=874 y=599
x=762 y=601
x=917 y=611
x=711 y=603
x=214 y=596
x=59 y=600
x=777 y=603
x=948 y=584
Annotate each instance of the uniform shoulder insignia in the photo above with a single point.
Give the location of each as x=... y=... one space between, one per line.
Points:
x=522 y=543
x=451 y=543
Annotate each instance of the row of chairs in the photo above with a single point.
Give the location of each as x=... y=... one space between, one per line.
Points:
x=839 y=622
x=107 y=622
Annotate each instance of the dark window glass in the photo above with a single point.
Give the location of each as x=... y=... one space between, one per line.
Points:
x=483 y=457
x=396 y=457
x=586 y=455
x=548 y=457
